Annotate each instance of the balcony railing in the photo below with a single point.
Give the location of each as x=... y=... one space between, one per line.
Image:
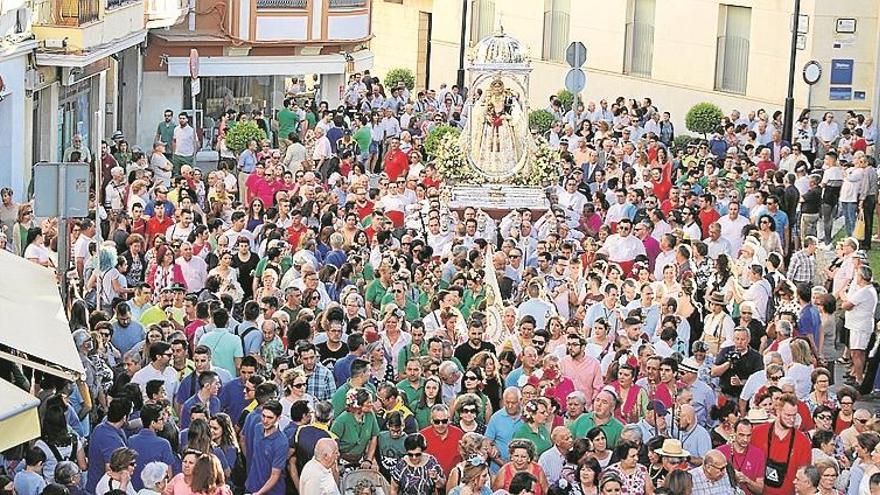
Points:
x=347 y=4
x=158 y=9
x=66 y=12
x=281 y=4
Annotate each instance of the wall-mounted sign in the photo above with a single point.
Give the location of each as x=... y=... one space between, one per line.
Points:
x=801 y=42
x=846 y=26
x=858 y=95
x=840 y=94
x=842 y=71
x=812 y=72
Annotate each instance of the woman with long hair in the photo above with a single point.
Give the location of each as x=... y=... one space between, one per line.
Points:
x=294 y=383
x=164 y=272
x=208 y=477
x=493 y=386
x=57 y=440
x=768 y=236
x=471 y=446
x=429 y=396
x=181 y=483
x=24 y=222
x=472 y=384
x=224 y=438
x=726 y=416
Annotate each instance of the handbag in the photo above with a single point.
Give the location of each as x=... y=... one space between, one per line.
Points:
x=775 y=471
x=859 y=229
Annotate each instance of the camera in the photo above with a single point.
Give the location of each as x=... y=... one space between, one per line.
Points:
x=734 y=358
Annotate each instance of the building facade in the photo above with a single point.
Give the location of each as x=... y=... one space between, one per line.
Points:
x=251 y=54
x=731 y=52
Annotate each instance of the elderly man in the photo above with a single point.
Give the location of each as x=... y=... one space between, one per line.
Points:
x=575 y=406
x=553 y=459
x=695 y=439
x=735 y=364
x=711 y=478
x=601 y=416
x=450 y=376
x=318 y=475
x=504 y=423
x=443 y=438
x=194 y=268
x=806 y=481
x=859 y=303
x=849 y=436
x=704 y=396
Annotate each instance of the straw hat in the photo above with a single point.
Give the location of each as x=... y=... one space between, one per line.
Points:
x=757 y=415
x=672 y=448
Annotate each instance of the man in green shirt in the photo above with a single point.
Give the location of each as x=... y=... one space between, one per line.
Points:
x=601 y=416
x=376 y=290
x=363 y=136
x=165 y=132
x=411 y=386
x=398 y=297
x=418 y=347
x=288 y=122
x=359 y=379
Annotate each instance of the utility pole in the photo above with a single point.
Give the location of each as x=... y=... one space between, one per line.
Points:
x=788 y=124
x=460 y=78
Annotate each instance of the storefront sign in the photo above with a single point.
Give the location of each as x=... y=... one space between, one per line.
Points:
x=840 y=94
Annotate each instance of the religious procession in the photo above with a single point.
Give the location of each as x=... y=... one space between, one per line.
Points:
x=351 y=305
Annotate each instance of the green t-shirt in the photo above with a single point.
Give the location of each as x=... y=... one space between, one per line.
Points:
x=312 y=119
x=585 y=423
x=286 y=263
x=404 y=355
x=225 y=347
x=422 y=414
x=166 y=133
x=363 y=137
x=410 y=393
x=389 y=451
x=541 y=439
x=354 y=435
x=156 y=314
x=288 y=121
x=374 y=293
x=338 y=399
x=411 y=310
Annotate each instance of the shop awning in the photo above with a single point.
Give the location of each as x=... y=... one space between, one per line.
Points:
x=19 y=419
x=32 y=319
x=266 y=65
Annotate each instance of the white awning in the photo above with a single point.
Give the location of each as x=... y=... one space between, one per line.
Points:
x=32 y=319
x=19 y=419
x=266 y=65
x=93 y=55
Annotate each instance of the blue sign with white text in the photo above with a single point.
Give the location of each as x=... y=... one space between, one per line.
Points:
x=842 y=71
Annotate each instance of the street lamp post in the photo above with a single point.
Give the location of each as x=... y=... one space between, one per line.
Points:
x=788 y=124
x=460 y=78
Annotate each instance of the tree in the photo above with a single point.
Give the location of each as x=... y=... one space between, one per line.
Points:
x=703 y=118
x=540 y=120
x=565 y=97
x=398 y=75
x=238 y=137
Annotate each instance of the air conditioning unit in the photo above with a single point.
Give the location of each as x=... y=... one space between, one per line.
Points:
x=70 y=75
x=32 y=79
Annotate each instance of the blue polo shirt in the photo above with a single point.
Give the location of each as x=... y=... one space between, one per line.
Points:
x=150 y=448
x=213 y=407
x=105 y=438
x=342 y=369
x=809 y=322
x=269 y=452
x=252 y=423
x=232 y=400
x=500 y=431
x=124 y=338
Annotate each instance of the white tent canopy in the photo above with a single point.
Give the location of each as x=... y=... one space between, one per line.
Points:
x=32 y=318
x=19 y=419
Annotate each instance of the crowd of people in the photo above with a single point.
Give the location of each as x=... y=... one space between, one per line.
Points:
x=310 y=317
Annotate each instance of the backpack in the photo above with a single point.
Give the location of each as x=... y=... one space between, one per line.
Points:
x=243 y=335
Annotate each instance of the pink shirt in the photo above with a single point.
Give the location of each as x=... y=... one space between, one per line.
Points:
x=177 y=486
x=585 y=374
x=750 y=464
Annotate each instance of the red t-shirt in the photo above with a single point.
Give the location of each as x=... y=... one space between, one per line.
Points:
x=798 y=454
x=764 y=166
x=294 y=233
x=860 y=144
x=750 y=463
x=156 y=226
x=706 y=219
x=445 y=450
x=396 y=164
x=365 y=210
